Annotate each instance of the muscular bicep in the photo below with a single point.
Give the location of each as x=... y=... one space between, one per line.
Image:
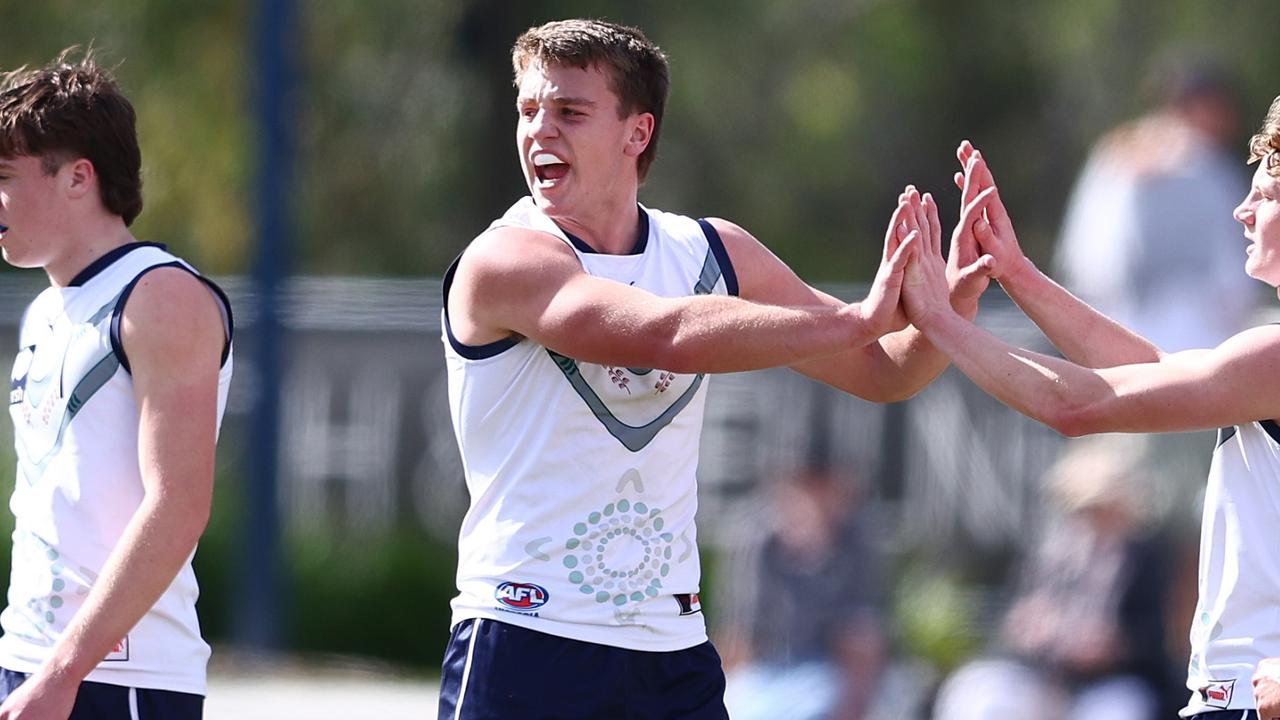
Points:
x=530 y=285
x=173 y=334
x=1204 y=389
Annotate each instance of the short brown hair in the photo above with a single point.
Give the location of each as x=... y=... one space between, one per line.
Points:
x=1265 y=145
x=637 y=69
x=69 y=110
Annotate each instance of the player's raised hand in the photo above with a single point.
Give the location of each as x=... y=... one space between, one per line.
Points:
x=1266 y=689
x=882 y=308
x=968 y=268
x=983 y=214
x=925 y=289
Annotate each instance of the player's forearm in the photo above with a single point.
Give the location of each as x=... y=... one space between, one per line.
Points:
x=156 y=544
x=723 y=334
x=908 y=361
x=1055 y=392
x=1081 y=333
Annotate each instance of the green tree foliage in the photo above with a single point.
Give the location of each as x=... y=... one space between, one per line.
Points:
x=801 y=119
x=183 y=64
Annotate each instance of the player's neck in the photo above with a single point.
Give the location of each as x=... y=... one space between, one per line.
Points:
x=609 y=230
x=88 y=241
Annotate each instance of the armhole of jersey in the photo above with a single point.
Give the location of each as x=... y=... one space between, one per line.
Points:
x=1271 y=429
x=470 y=352
x=721 y=255
x=224 y=306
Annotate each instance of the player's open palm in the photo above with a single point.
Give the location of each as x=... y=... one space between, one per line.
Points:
x=968 y=267
x=987 y=217
x=882 y=309
x=924 y=286
x=1266 y=689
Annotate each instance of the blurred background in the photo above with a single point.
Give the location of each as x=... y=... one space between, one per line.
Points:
x=326 y=160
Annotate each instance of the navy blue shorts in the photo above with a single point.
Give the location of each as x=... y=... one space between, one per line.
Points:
x=1226 y=715
x=100 y=701
x=495 y=670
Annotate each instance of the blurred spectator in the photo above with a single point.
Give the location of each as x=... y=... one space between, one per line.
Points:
x=1085 y=631
x=1148 y=233
x=805 y=639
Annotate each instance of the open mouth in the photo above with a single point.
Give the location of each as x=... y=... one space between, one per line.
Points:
x=549 y=168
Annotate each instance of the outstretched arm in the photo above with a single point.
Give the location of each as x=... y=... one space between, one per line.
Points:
x=529 y=283
x=1188 y=391
x=900 y=363
x=1080 y=332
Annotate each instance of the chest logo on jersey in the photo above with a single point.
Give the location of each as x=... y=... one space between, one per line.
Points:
x=633 y=404
x=1217 y=693
x=18 y=381
x=521 y=597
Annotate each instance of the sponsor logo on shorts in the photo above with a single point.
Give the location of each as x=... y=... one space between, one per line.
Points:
x=522 y=597
x=1217 y=693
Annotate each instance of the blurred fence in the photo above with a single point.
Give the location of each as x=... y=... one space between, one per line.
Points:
x=367 y=444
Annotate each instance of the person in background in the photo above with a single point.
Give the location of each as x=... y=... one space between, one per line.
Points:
x=806 y=636
x=1148 y=232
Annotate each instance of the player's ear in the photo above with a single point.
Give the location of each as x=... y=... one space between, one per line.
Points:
x=80 y=177
x=641 y=132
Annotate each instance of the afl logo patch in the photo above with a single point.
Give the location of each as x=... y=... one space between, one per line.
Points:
x=521 y=596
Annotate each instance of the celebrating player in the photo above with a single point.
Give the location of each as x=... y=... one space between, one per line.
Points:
x=1113 y=380
x=579 y=329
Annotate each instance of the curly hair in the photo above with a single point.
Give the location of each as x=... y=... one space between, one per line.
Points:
x=637 y=69
x=72 y=109
x=1265 y=145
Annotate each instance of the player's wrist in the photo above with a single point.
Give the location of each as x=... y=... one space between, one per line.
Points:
x=1019 y=274
x=933 y=317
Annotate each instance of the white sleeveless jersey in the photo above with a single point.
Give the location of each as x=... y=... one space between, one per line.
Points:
x=78 y=482
x=1237 y=620
x=582 y=476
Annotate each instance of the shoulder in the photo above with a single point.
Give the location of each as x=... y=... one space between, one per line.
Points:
x=506 y=252
x=172 y=310
x=761 y=275
x=742 y=246
x=731 y=233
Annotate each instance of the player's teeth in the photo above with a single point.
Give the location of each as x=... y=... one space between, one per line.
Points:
x=546 y=159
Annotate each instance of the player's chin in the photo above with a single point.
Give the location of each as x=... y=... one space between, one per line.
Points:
x=548 y=202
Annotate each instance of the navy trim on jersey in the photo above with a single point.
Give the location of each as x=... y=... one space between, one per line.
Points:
x=1225 y=434
x=632 y=437
x=642 y=238
x=722 y=256
x=1271 y=429
x=118 y=347
x=105 y=261
x=470 y=352
x=1226 y=715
